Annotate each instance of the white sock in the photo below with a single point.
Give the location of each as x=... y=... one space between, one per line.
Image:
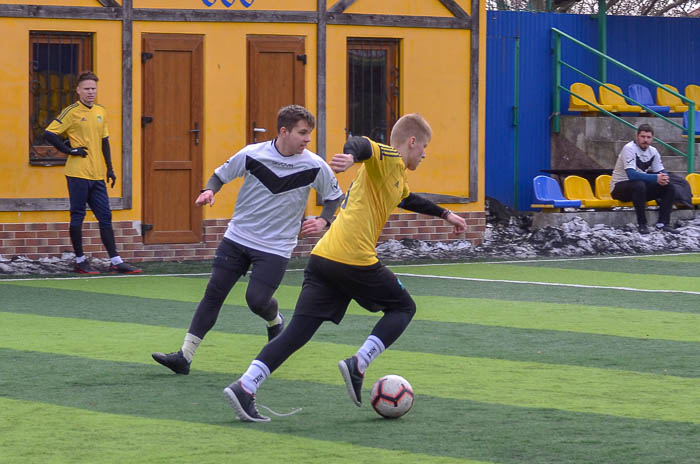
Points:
x=255 y=376
x=275 y=321
x=116 y=260
x=368 y=352
x=190 y=345
x=80 y=259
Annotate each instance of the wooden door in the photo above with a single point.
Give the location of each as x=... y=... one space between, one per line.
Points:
x=275 y=79
x=172 y=129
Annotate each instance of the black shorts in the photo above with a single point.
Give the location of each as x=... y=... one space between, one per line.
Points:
x=236 y=259
x=329 y=286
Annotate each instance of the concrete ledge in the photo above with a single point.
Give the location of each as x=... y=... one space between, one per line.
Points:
x=613 y=218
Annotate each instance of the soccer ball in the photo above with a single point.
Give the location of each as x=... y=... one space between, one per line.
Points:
x=392 y=396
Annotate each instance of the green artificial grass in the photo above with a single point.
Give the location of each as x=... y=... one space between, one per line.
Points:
x=503 y=372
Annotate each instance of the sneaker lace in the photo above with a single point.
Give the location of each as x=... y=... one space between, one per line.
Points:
x=294 y=411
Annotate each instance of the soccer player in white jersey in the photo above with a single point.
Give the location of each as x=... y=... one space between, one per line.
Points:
x=268 y=218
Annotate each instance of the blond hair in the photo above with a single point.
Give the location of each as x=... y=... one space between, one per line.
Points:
x=410 y=125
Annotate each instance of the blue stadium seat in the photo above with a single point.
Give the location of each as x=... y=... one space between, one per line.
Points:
x=641 y=94
x=548 y=194
x=697 y=123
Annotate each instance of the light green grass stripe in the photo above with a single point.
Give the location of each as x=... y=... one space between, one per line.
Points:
x=581 y=389
x=662 y=325
x=157 y=287
x=558 y=275
x=685 y=258
x=620 y=322
x=37 y=432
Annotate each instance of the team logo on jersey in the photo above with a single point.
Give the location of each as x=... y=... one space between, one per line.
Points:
x=229 y=3
x=396 y=184
x=282 y=165
x=99 y=118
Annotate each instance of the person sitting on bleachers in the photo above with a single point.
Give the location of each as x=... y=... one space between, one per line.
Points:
x=639 y=176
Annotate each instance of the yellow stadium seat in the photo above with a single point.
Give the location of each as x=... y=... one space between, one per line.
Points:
x=585 y=91
x=578 y=188
x=602 y=190
x=692 y=92
x=667 y=99
x=609 y=97
x=694 y=180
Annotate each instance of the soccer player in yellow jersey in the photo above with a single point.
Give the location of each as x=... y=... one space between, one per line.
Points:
x=343 y=265
x=89 y=163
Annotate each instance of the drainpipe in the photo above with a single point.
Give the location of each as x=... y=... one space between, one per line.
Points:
x=602 y=42
x=516 y=123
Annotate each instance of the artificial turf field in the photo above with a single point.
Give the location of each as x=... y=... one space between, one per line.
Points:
x=551 y=361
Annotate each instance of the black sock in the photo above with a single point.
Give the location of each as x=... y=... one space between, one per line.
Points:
x=107 y=236
x=76 y=238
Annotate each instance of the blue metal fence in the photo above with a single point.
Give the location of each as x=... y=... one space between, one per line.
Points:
x=666 y=49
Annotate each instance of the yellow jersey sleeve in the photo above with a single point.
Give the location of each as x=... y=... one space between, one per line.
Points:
x=378 y=188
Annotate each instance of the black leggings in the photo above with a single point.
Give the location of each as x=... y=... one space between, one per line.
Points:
x=301 y=328
x=230 y=263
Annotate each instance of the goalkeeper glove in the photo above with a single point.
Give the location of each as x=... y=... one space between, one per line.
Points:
x=111 y=176
x=80 y=151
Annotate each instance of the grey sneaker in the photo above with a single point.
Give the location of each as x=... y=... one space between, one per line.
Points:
x=275 y=330
x=124 y=268
x=353 y=379
x=243 y=403
x=176 y=362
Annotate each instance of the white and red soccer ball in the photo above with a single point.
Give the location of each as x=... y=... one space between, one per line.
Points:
x=392 y=396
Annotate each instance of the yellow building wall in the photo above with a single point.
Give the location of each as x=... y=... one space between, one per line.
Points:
x=399 y=7
x=434 y=82
x=17 y=178
x=225 y=73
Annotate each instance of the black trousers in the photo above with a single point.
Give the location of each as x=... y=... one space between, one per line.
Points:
x=639 y=192
x=93 y=193
x=232 y=261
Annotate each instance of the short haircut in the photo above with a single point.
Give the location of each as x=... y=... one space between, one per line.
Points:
x=290 y=115
x=87 y=76
x=411 y=125
x=645 y=128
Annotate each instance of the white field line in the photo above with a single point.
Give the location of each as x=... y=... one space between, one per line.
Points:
x=548 y=284
x=106 y=276
x=553 y=260
x=116 y=276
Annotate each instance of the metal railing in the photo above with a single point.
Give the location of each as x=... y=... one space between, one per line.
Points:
x=556 y=103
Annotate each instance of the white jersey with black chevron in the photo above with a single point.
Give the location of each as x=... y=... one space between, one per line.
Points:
x=271 y=202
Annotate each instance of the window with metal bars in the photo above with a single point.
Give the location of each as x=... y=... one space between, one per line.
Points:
x=55 y=61
x=373 y=87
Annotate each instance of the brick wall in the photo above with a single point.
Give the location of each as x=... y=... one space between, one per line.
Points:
x=40 y=240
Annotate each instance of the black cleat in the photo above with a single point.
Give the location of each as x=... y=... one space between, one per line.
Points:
x=275 y=330
x=353 y=379
x=176 y=362
x=243 y=403
x=669 y=229
x=124 y=268
x=84 y=267
x=643 y=229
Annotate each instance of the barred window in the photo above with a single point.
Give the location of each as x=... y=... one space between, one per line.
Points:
x=55 y=61
x=373 y=87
